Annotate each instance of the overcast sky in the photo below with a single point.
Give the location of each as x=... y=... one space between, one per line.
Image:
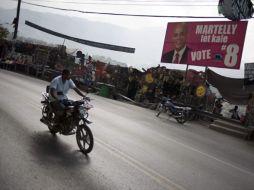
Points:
x=136 y=24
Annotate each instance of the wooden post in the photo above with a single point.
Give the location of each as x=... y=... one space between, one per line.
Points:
x=206 y=98
x=185 y=81
x=206 y=68
x=16 y=24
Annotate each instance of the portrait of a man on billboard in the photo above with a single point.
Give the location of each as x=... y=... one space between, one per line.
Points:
x=179 y=52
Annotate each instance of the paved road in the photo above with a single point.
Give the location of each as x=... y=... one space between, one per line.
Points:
x=133 y=149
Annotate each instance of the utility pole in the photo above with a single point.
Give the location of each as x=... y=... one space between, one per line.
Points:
x=16 y=21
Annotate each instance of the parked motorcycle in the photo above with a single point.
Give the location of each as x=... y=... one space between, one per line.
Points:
x=166 y=105
x=74 y=121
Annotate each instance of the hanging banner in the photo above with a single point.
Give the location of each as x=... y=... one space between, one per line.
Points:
x=236 y=9
x=249 y=74
x=86 y=42
x=213 y=44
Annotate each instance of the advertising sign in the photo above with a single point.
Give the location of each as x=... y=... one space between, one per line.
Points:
x=249 y=74
x=213 y=44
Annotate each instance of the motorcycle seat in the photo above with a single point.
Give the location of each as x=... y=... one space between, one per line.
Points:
x=178 y=107
x=78 y=103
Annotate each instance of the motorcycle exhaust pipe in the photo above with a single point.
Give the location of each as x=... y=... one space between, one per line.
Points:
x=46 y=122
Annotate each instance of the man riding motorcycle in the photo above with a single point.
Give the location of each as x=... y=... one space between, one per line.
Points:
x=59 y=88
x=65 y=116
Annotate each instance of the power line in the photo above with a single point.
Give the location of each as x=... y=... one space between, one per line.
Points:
x=135 y=3
x=164 y=0
x=117 y=14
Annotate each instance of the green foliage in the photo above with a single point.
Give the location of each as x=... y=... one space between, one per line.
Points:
x=3 y=32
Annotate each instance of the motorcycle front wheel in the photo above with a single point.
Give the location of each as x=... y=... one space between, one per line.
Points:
x=84 y=139
x=160 y=109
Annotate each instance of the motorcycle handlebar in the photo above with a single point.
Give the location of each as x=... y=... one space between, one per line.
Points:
x=87 y=98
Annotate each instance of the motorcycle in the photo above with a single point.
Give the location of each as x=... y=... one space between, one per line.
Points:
x=74 y=121
x=166 y=105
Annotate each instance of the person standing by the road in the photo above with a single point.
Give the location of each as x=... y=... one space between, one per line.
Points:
x=88 y=78
x=235 y=113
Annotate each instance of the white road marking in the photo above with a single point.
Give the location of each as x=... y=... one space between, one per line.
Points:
x=162 y=180
x=209 y=156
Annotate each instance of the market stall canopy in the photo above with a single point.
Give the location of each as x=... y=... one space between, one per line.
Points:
x=231 y=89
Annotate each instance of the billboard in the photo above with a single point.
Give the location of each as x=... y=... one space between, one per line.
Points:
x=213 y=44
x=249 y=74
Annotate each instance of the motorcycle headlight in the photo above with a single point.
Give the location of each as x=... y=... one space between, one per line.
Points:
x=88 y=106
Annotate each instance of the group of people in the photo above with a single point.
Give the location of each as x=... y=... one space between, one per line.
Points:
x=248 y=118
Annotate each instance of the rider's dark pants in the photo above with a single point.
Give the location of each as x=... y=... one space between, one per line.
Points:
x=58 y=109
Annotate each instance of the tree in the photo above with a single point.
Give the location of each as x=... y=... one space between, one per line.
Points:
x=3 y=32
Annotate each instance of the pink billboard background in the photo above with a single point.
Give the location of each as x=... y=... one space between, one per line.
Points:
x=213 y=44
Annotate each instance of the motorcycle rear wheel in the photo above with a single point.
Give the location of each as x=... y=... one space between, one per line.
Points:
x=182 y=119
x=84 y=139
x=52 y=130
x=47 y=116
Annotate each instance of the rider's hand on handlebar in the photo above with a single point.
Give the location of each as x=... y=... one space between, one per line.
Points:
x=86 y=98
